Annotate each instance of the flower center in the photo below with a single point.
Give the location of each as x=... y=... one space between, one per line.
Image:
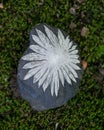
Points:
x=57 y=57
x=54 y=59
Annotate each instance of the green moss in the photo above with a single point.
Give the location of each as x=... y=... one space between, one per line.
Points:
x=85 y=111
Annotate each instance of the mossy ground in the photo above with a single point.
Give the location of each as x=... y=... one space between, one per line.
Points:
x=86 y=110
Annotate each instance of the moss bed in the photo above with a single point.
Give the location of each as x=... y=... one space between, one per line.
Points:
x=86 y=110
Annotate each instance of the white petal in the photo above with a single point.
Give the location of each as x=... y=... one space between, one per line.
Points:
x=45 y=85
x=67 y=42
x=73 y=52
x=43 y=78
x=72 y=71
x=43 y=38
x=32 y=65
x=33 y=56
x=39 y=74
x=56 y=81
x=70 y=44
x=52 y=86
x=56 y=86
x=61 y=37
x=66 y=75
x=38 y=49
x=47 y=82
x=74 y=66
x=75 y=61
x=73 y=48
x=72 y=77
x=29 y=57
x=37 y=40
x=31 y=72
x=73 y=56
x=52 y=37
x=61 y=77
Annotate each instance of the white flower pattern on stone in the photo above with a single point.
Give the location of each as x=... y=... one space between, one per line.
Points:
x=53 y=59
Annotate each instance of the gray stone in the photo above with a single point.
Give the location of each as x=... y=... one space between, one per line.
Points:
x=49 y=72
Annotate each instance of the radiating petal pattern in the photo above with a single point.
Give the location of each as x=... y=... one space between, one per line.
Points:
x=52 y=37
x=53 y=60
x=61 y=38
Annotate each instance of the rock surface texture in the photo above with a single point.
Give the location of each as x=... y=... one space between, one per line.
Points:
x=49 y=71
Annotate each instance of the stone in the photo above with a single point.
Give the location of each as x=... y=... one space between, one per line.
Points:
x=1 y=6
x=72 y=25
x=84 y=31
x=72 y=11
x=81 y=1
x=50 y=70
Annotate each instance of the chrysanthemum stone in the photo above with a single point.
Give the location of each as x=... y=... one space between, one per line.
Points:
x=50 y=71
